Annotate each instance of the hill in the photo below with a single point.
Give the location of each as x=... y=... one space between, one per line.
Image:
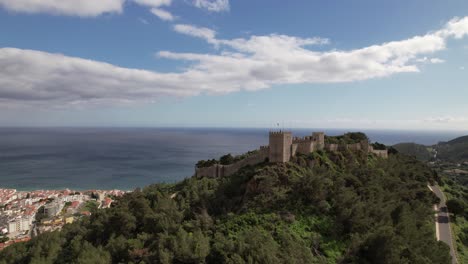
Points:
x=421 y=152
x=455 y=150
x=326 y=207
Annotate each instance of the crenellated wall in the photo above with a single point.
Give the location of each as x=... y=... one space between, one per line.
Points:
x=381 y=153
x=304 y=145
x=294 y=147
x=355 y=147
x=331 y=147
x=319 y=138
x=219 y=170
x=281 y=148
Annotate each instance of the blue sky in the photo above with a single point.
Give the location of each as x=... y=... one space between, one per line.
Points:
x=221 y=63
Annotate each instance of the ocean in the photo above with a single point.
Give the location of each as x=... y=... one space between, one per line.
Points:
x=126 y=158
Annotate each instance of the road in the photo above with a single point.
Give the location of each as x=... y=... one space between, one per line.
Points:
x=443 y=231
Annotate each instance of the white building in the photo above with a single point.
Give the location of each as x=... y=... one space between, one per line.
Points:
x=72 y=198
x=20 y=224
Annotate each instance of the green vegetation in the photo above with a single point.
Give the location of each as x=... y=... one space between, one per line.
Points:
x=421 y=152
x=348 y=138
x=379 y=146
x=346 y=207
x=224 y=160
x=90 y=206
x=457 y=205
x=40 y=214
x=455 y=150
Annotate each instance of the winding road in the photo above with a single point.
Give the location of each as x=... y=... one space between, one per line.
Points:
x=442 y=222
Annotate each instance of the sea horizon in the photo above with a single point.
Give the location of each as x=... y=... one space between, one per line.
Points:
x=84 y=158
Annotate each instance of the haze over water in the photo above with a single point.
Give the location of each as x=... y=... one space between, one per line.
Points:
x=125 y=158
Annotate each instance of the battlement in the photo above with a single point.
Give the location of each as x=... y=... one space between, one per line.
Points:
x=303 y=139
x=279 y=133
x=282 y=146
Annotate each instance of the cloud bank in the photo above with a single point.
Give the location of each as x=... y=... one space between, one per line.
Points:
x=94 y=8
x=257 y=62
x=83 y=8
x=213 y=5
x=162 y=14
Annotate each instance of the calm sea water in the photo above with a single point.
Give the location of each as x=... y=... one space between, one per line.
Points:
x=126 y=158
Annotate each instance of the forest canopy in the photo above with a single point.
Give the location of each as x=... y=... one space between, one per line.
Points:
x=344 y=207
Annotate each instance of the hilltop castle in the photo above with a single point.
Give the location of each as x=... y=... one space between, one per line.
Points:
x=282 y=147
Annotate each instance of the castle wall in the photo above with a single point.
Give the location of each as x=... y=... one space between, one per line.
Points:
x=294 y=149
x=343 y=147
x=331 y=147
x=218 y=170
x=281 y=148
x=355 y=147
x=319 y=138
x=379 y=153
x=210 y=172
x=306 y=147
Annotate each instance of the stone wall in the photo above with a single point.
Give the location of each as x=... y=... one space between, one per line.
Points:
x=294 y=147
x=280 y=146
x=355 y=147
x=319 y=138
x=211 y=172
x=331 y=147
x=305 y=146
x=380 y=153
x=218 y=170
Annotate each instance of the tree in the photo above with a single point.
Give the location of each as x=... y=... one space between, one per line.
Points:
x=226 y=159
x=455 y=206
x=40 y=214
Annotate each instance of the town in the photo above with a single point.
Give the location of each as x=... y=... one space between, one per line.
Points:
x=25 y=214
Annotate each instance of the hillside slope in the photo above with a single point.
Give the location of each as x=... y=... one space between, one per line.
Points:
x=454 y=150
x=421 y=152
x=322 y=208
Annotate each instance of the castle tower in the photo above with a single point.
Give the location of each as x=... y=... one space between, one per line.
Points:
x=319 y=137
x=365 y=146
x=280 y=146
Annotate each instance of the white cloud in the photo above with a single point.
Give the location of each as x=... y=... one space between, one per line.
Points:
x=198 y=32
x=462 y=68
x=258 y=62
x=162 y=14
x=436 y=60
x=83 y=8
x=447 y=119
x=29 y=76
x=213 y=5
x=431 y=123
x=143 y=21
x=154 y=3
x=430 y=60
x=456 y=28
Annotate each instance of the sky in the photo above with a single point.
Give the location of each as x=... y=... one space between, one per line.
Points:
x=235 y=63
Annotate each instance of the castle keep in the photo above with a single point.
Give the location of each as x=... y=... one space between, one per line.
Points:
x=282 y=147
